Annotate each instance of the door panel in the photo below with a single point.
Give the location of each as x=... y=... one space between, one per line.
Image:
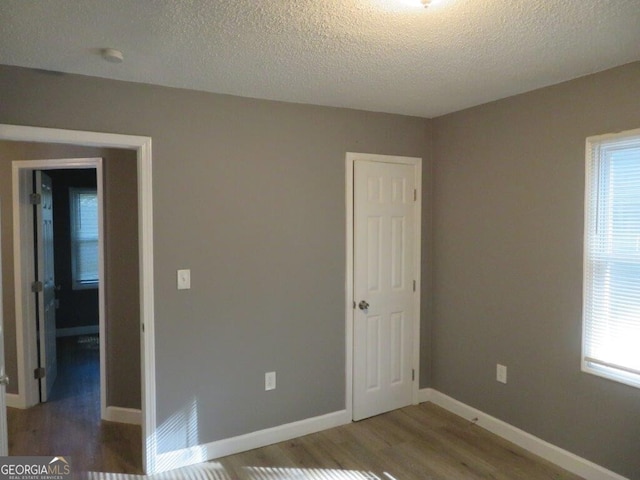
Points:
x=384 y=269
x=45 y=274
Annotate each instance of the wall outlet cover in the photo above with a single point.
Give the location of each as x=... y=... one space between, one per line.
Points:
x=501 y=373
x=184 y=279
x=270 y=381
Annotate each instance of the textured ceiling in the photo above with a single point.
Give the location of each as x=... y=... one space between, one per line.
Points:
x=381 y=55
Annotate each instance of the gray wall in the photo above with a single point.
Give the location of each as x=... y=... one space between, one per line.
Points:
x=121 y=262
x=122 y=282
x=508 y=232
x=250 y=195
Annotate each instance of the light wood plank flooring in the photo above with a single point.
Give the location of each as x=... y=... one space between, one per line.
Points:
x=422 y=442
x=69 y=423
x=417 y=442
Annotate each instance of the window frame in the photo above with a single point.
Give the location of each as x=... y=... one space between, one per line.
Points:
x=76 y=284
x=594 y=158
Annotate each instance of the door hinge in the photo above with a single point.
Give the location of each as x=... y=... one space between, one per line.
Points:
x=414 y=285
x=354 y=304
x=415 y=194
x=413 y=375
x=36 y=286
x=35 y=199
x=39 y=373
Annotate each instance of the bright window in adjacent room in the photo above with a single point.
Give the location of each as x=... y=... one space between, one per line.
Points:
x=611 y=313
x=84 y=237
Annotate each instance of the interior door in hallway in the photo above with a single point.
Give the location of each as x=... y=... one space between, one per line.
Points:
x=384 y=275
x=46 y=283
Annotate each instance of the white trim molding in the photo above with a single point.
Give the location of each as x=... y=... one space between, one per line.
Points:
x=242 y=443
x=132 y=416
x=14 y=401
x=564 y=459
x=77 y=331
x=424 y=395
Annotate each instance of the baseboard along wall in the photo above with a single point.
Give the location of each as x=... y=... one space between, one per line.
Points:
x=123 y=415
x=74 y=331
x=242 y=443
x=14 y=400
x=564 y=459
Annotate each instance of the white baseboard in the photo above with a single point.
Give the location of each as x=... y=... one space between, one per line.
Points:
x=567 y=460
x=424 y=395
x=14 y=400
x=123 y=415
x=73 y=331
x=242 y=443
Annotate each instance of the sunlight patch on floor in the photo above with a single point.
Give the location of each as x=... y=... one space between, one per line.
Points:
x=215 y=471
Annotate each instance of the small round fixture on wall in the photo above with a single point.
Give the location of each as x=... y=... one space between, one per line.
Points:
x=112 y=55
x=426 y=3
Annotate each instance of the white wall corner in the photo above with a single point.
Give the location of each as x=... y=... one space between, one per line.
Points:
x=564 y=459
x=123 y=415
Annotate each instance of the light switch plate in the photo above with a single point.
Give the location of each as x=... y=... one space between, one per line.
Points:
x=184 y=279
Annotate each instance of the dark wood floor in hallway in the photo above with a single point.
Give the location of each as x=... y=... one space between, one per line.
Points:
x=69 y=423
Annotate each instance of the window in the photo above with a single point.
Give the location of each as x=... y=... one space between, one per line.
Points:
x=84 y=238
x=611 y=313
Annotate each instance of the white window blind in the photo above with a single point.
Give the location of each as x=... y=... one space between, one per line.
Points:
x=611 y=314
x=84 y=237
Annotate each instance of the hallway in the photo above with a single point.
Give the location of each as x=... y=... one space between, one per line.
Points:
x=69 y=423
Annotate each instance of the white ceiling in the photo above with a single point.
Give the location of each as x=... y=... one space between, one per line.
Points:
x=380 y=55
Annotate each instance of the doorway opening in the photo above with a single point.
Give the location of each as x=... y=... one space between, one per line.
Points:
x=76 y=257
x=21 y=391
x=34 y=255
x=64 y=246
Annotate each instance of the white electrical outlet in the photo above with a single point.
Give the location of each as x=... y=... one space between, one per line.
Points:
x=501 y=373
x=184 y=279
x=270 y=381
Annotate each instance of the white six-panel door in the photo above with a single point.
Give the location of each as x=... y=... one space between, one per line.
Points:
x=384 y=275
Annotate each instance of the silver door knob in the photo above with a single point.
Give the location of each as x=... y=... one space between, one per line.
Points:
x=363 y=305
x=4 y=380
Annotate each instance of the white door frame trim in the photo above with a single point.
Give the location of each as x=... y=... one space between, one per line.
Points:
x=23 y=247
x=142 y=146
x=349 y=305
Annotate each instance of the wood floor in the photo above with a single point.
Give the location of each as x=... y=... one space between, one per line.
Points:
x=418 y=442
x=69 y=423
x=422 y=442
